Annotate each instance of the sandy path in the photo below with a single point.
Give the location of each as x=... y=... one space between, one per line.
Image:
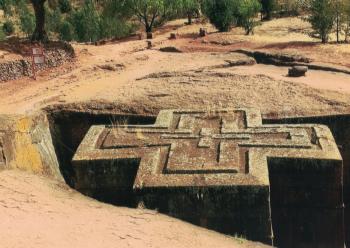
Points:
x=38 y=212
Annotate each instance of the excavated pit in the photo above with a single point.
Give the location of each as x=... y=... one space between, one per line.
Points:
x=68 y=129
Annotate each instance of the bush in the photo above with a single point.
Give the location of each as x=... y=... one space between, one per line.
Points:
x=27 y=21
x=67 y=31
x=86 y=22
x=292 y=7
x=267 y=7
x=6 y=6
x=53 y=20
x=8 y=27
x=65 y=6
x=221 y=13
x=111 y=27
x=247 y=12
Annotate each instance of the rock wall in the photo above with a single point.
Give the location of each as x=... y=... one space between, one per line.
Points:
x=26 y=144
x=55 y=55
x=340 y=127
x=32 y=142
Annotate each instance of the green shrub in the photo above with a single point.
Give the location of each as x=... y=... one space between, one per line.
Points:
x=67 y=31
x=65 y=6
x=247 y=13
x=221 y=13
x=6 y=6
x=8 y=27
x=267 y=7
x=111 y=27
x=86 y=22
x=53 y=20
x=27 y=22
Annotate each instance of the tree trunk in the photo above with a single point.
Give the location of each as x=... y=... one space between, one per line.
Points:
x=148 y=28
x=39 y=32
x=324 y=39
x=338 y=27
x=189 y=16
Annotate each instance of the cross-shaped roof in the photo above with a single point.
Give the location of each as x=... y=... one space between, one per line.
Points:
x=228 y=147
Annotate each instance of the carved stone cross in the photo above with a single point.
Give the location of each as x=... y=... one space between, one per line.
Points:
x=204 y=154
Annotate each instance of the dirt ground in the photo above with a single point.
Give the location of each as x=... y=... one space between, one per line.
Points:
x=131 y=78
x=119 y=73
x=37 y=212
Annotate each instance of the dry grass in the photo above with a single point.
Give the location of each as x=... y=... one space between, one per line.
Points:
x=291 y=34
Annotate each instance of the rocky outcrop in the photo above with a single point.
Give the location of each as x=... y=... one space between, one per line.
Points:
x=274 y=58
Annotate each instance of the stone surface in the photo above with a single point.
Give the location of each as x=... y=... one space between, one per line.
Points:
x=55 y=55
x=211 y=168
x=26 y=144
x=202 y=32
x=173 y=36
x=170 y=49
x=297 y=71
x=149 y=35
x=2 y=153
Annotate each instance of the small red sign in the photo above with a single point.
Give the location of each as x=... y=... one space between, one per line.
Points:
x=38 y=58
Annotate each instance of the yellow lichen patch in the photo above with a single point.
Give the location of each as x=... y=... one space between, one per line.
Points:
x=24 y=124
x=26 y=154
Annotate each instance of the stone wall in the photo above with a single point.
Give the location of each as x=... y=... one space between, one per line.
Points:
x=55 y=55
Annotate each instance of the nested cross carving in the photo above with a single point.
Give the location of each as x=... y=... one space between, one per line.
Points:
x=224 y=147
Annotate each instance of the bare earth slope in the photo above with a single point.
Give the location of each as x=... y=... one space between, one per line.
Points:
x=37 y=212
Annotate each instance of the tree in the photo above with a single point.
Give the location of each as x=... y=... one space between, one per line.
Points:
x=247 y=11
x=8 y=27
x=267 y=7
x=190 y=8
x=322 y=17
x=39 y=33
x=221 y=13
x=347 y=20
x=339 y=11
x=148 y=12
